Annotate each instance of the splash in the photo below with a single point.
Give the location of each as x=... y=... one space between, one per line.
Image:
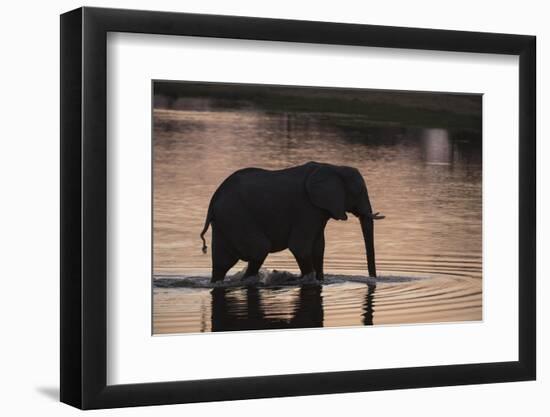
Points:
x=269 y=279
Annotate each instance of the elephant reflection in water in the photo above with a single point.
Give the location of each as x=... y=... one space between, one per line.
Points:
x=368 y=305
x=229 y=313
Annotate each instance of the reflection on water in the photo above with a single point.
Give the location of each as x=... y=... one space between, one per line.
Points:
x=426 y=181
x=368 y=305
x=306 y=310
x=436 y=146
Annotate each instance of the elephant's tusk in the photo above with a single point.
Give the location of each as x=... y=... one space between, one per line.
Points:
x=376 y=216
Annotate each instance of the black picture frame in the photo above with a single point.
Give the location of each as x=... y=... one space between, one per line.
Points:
x=84 y=207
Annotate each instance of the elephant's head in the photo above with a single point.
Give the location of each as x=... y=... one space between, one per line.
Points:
x=341 y=189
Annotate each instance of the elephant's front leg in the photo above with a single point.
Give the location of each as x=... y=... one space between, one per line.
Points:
x=306 y=265
x=301 y=244
x=318 y=256
x=303 y=254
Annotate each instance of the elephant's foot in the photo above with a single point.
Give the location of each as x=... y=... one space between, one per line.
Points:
x=214 y=280
x=253 y=268
x=218 y=275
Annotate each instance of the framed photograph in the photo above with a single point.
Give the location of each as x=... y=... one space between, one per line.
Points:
x=257 y=208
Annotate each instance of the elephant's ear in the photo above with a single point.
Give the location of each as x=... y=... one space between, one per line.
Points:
x=326 y=191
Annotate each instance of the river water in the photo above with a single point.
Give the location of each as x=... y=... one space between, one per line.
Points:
x=426 y=181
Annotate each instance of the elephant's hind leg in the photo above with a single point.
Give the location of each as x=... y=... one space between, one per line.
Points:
x=254 y=267
x=249 y=242
x=219 y=271
x=223 y=257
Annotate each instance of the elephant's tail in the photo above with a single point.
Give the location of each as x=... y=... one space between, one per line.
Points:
x=205 y=228
x=207 y=222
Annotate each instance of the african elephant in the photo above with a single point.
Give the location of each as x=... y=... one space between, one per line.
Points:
x=255 y=212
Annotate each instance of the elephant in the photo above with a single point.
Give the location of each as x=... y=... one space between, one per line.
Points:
x=256 y=211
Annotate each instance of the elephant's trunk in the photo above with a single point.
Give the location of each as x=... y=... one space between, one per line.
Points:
x=367 y=226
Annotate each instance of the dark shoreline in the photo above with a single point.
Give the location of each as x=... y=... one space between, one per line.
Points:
x=411 y=109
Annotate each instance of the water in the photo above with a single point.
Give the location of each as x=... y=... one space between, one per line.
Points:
x=426 y=181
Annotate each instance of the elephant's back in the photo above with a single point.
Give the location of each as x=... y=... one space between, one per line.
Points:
x=265 y=198
x=257 y=184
